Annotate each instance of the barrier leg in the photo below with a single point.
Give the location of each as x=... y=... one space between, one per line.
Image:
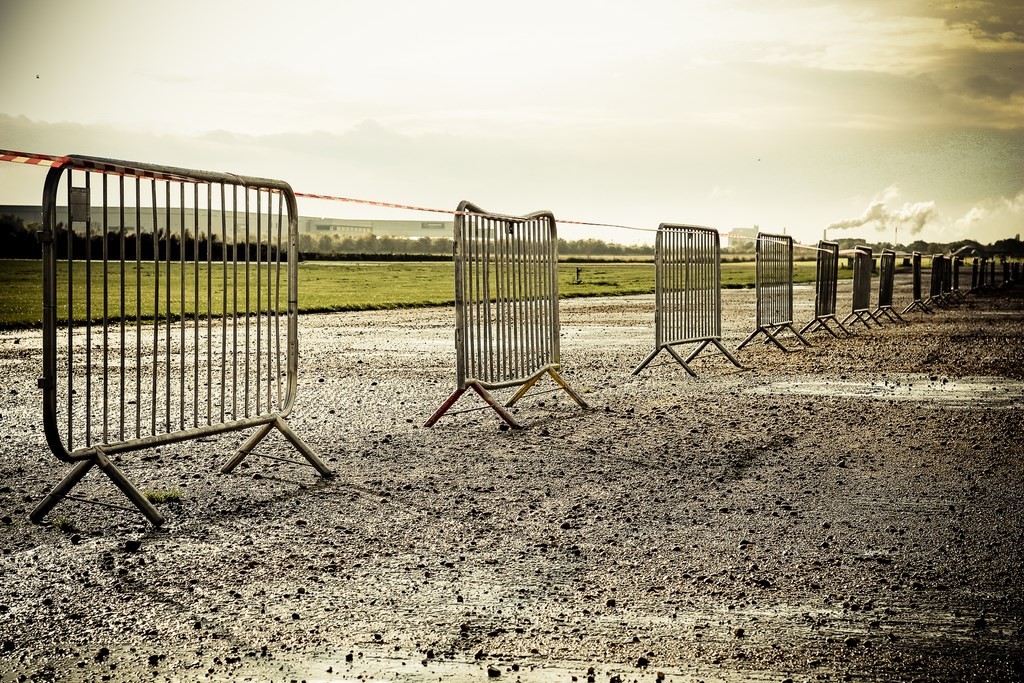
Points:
x=484 y=394
x=727 y=354
x=522 y=390
x=448 y=403
x=129 y=490
x=569 y=390
x=751 y=337
x=797 y=334
x=61 y=491
x=672 y=352
x=646 y=361
x=817 y=323
x=916 y=305
x=308 y=453
x=847 y=332
x=822 y=324
x=772 y=338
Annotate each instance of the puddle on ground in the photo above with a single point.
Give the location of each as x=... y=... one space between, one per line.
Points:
x=945 y=392
x=441 y=670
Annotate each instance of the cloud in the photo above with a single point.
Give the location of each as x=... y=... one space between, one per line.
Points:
x=911 y=216
x=992 y=219
x=1001 y=22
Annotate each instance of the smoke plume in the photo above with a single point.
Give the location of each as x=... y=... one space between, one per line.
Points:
x=913 y=217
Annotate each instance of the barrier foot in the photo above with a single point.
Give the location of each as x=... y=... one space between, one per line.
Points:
x=448 y=403
x=917 y=304
x=685 y=363
x=61 y=490
x=250 y=444
x=484 y=394
x=847 y=332
x=750 y=338
x=890 y=313
x=822 y=324
x=857 y=316
x=646 y=361
x=129 y=490
x=817 y=323
x=302 y=447
x=569 y=390
x=246 y=448
x=774 y=340
x=798 y=335
x=727 y=354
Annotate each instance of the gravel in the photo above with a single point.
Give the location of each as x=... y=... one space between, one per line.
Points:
x=849 y=511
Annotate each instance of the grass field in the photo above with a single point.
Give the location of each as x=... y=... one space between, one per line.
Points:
x=323 y=286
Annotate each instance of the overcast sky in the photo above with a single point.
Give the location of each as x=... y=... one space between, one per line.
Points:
x=875 y=117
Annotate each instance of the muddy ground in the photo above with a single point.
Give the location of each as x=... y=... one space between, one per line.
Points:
x=851 y=511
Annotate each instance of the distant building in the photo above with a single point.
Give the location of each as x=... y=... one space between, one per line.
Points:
x=743 y=235
x=339 y=227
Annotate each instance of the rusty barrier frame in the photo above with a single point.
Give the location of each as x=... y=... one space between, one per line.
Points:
x=506 y=306
x=687 y=293
x=918 y=303
x=826 y=286
x=196 y=364
x=992 y=273
x=773 y=284
x=860 y=307
x=886 y=285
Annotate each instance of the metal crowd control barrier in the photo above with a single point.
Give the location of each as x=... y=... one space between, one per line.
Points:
x=886 y=282
x=506 y=306
x=688 y=294
x=825 y=289
x=946 y=284
x=861 y=306
x=169 y=314
x=957 y=293
x=774 y=289
x=918 y=303
x=938 y=277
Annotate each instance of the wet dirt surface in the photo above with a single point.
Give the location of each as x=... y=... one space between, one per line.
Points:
x=850 y=511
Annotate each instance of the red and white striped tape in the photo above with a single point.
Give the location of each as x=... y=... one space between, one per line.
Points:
x=31 y=159
x=104 y=167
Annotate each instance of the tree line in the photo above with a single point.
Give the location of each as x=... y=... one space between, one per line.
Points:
x=20 y=241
